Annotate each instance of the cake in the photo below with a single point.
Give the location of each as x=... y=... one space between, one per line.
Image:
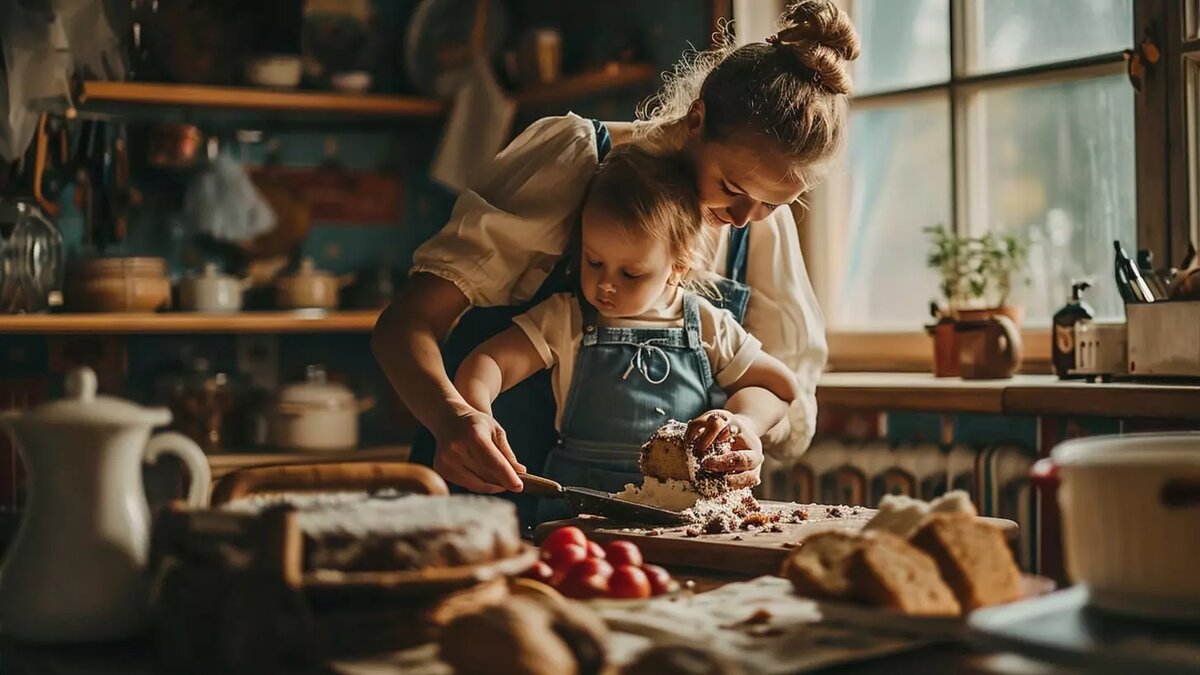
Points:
x=818 y=566
x=360 y=532
x=973 y=556
x=901 y=515
x=673 y=479
x=887 y=571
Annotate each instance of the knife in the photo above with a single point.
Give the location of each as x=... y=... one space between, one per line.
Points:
x=585 y=501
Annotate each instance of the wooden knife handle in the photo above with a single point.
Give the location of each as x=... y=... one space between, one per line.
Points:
x=328 y=477
x=540 y=487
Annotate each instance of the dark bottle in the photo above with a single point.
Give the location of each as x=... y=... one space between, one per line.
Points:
x=1130 y=284
x=1063 y=345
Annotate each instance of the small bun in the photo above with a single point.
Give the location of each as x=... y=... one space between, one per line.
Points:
x=821 y=23
x=823 y=38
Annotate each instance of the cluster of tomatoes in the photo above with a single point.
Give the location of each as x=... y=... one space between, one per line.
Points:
x=583 y=570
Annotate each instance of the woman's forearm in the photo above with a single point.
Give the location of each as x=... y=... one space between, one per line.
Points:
x=756 y=409
x=407 y=344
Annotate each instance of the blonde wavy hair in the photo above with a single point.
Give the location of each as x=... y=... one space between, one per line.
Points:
x=792 y=90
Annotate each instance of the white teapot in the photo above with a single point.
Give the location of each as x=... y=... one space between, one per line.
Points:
x=76 y=570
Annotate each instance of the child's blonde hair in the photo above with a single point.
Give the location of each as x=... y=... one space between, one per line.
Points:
x=652 y=195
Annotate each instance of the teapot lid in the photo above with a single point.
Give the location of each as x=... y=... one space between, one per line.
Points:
x=83 y=405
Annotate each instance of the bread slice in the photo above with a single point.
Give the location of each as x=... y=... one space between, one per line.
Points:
x=818 y=567
x=973 y=556
x=888 y=571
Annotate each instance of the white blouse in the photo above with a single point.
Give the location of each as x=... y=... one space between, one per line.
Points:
x=505 y=236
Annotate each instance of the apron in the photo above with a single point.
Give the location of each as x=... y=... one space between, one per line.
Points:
x=627 y=383
x=526 y=412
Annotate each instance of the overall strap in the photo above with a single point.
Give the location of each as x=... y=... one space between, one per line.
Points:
x=739 y=251
x=590 y=327
x=691 y=319
x=603 y=140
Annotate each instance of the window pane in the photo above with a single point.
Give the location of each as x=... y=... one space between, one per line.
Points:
x=1057 y=167
x=905 y=43
x=899 y=171
x=1012 y=34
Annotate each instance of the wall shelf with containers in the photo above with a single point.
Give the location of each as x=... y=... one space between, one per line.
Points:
x=138 y=99
x=133 y=323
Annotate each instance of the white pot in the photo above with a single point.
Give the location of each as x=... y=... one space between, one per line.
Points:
x=211 y=291
x=316 y=415
x=77 y=569
x=1131 y=520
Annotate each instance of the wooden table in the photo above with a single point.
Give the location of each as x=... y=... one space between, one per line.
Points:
x=136 y=658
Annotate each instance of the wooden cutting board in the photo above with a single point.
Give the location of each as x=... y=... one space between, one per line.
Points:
x=749 y=553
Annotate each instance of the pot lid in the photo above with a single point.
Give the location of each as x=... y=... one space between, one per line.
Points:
x=83 y=406
x=211 y=271
x=317 y=391
x=308 y=268
x=1159 y=449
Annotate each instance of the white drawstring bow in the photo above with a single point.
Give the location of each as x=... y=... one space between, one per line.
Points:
x=643 y=363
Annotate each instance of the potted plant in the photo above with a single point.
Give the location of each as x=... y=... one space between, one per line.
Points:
x=976 y=278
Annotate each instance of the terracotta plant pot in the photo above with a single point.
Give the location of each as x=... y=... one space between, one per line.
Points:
x=1015 y=313
x=945 y=349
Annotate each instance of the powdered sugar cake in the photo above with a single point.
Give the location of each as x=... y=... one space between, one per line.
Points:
x=351 y=532
x=674 y=480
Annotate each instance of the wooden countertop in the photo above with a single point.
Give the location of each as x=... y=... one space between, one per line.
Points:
x=1020 y=395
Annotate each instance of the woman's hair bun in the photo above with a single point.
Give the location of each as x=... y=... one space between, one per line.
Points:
x=823 y=38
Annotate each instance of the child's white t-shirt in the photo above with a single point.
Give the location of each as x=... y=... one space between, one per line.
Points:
x=555 y=327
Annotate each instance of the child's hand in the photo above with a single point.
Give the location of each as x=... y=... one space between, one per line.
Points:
x=744 y=460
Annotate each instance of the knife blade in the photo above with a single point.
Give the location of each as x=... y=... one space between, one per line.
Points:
x=586 y=501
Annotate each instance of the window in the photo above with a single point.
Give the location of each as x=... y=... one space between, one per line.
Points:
x=1009 y=116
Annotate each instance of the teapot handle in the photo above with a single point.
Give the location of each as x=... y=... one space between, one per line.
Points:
x=199 y=474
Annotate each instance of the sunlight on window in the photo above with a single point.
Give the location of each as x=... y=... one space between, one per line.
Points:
x=906 y=43
x=1019 y=33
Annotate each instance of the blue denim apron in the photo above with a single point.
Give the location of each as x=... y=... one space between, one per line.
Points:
x=627 y=383
x=526 y=411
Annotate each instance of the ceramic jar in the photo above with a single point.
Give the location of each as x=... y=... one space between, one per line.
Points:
x=309 y=288
x=119 y=285
x=211 y=291
x=316 y=415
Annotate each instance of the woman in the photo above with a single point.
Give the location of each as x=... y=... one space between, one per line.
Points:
x=755 y=123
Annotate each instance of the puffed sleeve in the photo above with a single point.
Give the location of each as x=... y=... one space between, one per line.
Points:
x=783 y=313
x=506 y=233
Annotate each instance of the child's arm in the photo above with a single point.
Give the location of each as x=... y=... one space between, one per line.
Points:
x=500 y=363
x=759 y=399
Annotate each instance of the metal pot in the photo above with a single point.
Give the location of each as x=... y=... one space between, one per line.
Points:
x=316 y=415
x=310 y=288
x=1130 y=510
x=211 y=291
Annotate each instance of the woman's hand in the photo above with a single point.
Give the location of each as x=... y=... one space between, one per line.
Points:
x=743 y=462
x=473 y=452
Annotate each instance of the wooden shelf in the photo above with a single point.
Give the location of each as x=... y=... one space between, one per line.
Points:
x=185 y=322
x=120 y=94
x=122 y=97
x=615 y=76
x=1032 y=395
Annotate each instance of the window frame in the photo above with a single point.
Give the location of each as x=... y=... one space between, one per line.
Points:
x=853 y=349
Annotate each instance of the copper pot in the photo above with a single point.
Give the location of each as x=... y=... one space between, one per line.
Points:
x=174 y=146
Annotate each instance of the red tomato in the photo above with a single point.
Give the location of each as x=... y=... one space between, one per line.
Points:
x=660 y=579
x=587 y=579
x=628 y=581
x=623 y=553
x=594 y=550
x=592 y=566
x=565 y=557
x=563 y=536
x=541 y=571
